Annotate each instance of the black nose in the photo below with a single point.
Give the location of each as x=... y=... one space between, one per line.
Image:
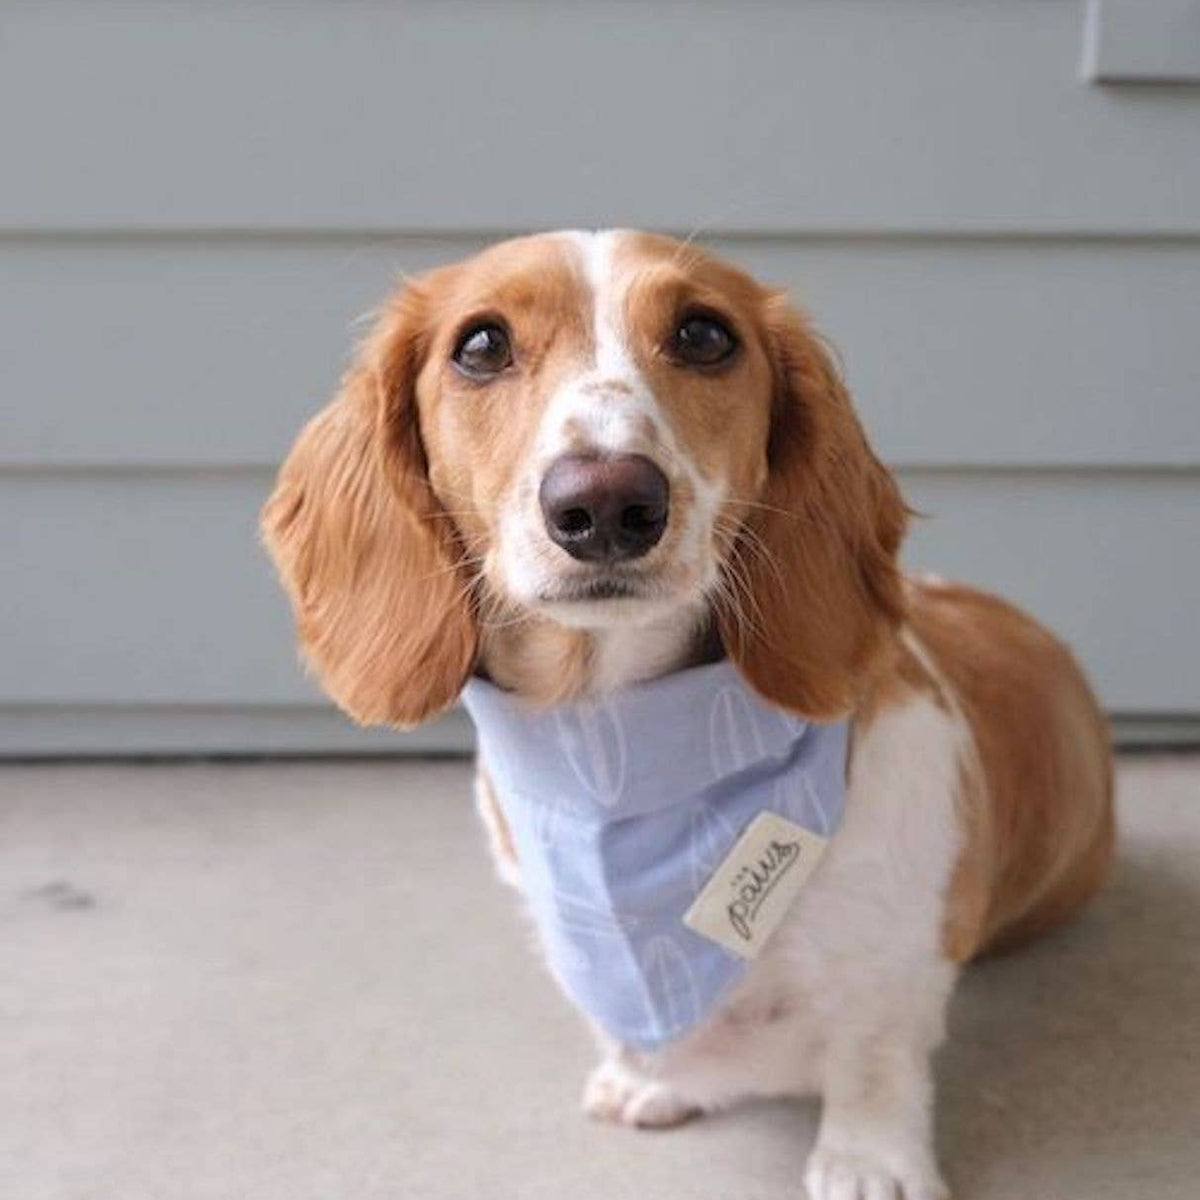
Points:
x=604 y=509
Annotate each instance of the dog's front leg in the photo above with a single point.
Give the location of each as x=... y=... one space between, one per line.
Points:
x=875 y=1140
x=499 y=836
x=758 y=1049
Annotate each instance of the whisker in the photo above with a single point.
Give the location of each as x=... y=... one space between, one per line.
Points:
x=753 y=542
x=784 y=512
x=735 y=573
x=456 y=512
x=450 y=568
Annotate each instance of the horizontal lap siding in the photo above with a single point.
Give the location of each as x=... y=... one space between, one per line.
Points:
x=211 y=351
x=483 y=114
x=200 y=199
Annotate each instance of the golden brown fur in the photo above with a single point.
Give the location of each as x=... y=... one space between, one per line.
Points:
x=819 y=551
x=369 y=559
x=1037 y=802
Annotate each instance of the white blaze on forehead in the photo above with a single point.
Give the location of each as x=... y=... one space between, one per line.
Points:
x=610 y=349
x=607 y=403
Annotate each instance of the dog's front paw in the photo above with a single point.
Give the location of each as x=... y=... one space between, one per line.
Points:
x=615 y=1093
x=838 y=1175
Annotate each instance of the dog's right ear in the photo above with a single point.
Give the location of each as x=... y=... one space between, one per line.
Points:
x=371 y=562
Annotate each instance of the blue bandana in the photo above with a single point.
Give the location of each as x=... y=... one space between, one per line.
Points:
x=622 y=808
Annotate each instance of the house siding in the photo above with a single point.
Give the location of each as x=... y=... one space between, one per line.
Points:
x=201 y=200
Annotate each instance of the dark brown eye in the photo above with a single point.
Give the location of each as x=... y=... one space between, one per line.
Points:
x=702 y=341
x=483 y=350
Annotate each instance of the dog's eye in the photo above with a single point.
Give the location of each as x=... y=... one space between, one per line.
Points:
x=483 y=350
x=702 y=341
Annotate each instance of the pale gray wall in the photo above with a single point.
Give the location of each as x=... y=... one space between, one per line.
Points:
x=196 y=200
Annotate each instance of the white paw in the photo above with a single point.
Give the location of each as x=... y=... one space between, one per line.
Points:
x=614 y=1093
x=836 y=1175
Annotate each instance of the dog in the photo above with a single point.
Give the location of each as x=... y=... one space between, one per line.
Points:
x=580 y=462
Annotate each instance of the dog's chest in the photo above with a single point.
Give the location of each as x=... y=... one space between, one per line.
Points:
x=877 y=900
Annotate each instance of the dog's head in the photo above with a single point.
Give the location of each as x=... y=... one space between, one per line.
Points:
x=589 y=429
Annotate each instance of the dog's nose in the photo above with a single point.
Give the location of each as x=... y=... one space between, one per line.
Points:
x=607 y=508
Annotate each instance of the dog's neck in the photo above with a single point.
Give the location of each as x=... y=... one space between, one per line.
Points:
x=548 y=663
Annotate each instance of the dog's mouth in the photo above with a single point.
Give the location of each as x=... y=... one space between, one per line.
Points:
x=596 y=590
x=606 y=598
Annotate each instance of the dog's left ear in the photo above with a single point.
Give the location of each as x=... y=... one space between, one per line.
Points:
x=815 y=565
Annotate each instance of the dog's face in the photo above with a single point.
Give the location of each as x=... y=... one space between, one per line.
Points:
x=594 y=410
x=587 y=429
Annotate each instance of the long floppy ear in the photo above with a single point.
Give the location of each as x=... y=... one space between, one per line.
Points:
x=368 y=557
x=817 y=560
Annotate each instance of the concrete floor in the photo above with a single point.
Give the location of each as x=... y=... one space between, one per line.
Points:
x=292 y=982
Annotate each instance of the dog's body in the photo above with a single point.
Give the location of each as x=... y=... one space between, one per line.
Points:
x=453 y=511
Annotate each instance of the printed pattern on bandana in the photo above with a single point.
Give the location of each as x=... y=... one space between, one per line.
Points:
x=622 y=808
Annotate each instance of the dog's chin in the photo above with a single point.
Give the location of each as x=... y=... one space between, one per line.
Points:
x=606 y=601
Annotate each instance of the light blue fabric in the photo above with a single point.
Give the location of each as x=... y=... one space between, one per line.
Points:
x=622 y=808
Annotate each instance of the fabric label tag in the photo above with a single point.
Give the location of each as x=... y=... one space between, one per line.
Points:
x=749 y=893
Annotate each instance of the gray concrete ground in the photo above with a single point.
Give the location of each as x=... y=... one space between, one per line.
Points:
x=300 y=981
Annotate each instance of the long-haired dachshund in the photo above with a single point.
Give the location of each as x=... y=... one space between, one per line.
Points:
x=582 y=464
